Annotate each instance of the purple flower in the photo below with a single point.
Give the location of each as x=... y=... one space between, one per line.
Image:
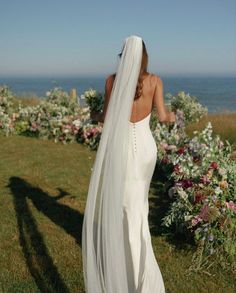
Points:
x=214 y=197
x=211 y=237
x=180 y=119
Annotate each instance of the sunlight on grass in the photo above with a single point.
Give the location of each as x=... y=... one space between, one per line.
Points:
x=223 y=123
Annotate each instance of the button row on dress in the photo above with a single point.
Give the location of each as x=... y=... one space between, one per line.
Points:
x=134 y=137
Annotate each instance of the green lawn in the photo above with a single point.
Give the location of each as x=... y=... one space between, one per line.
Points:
x=43 y=188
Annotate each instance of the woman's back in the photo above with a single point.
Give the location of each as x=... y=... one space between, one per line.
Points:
x=152 y=95
x=144 y=104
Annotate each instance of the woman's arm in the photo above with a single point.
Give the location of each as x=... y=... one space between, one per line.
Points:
x=100 y=117
x=163 y=114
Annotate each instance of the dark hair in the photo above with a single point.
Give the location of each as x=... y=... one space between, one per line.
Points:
x=143 y=70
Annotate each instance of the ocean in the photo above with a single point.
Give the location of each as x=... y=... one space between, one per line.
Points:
x=216 y=93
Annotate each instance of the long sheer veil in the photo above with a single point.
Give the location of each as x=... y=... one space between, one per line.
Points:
x=103 y=252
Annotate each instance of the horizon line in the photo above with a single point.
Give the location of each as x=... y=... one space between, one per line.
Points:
x=231 y=74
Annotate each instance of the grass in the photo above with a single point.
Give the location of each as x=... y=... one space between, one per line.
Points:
x=27 y=100
x=43 y=189
x=223 y=123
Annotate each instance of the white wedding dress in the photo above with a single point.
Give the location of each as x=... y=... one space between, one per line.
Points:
x=143 y=272
x=116 y=243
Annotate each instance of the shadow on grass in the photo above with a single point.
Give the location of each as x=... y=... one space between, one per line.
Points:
x=35 y=251
x=159 y=204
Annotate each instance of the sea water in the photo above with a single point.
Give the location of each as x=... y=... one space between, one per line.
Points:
x=216 y=93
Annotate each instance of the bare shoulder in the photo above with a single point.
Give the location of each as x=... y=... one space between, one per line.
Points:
x=109 y=81
x=110 y=78
x=157 y=79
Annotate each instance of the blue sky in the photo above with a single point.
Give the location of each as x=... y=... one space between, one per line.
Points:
x=55 y=37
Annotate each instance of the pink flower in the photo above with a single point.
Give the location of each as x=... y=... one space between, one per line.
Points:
x=195 y=220
x=33 y=126
x=164 y=145
x=231 y=205
x=204 y=179
x=94 y=130
x=177 y=169
x=186 y=183
x=204 y=212
x=221 y=144
x=14 y=116
x=171 y=147
x=165 y=160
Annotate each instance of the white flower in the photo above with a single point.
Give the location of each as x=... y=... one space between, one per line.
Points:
x=182 y=193
x=218 y=190
x=222 y=171
x=188 y=217
x=77 y=123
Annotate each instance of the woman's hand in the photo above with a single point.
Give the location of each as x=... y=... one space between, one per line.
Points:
x=97 y=116
x=172 y=117
x=94 y=115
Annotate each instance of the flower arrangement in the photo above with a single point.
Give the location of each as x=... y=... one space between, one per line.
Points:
x=93 y=99
x=193 y=111
x=59 y=97
x=90 y=135
x=6 y=123
x=7 y=115
x=202 y=184
x=49 y=121
x=204 y=191
x=6 y=98
x=57 y=117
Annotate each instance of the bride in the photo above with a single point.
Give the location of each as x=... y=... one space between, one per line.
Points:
x=116 y=243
